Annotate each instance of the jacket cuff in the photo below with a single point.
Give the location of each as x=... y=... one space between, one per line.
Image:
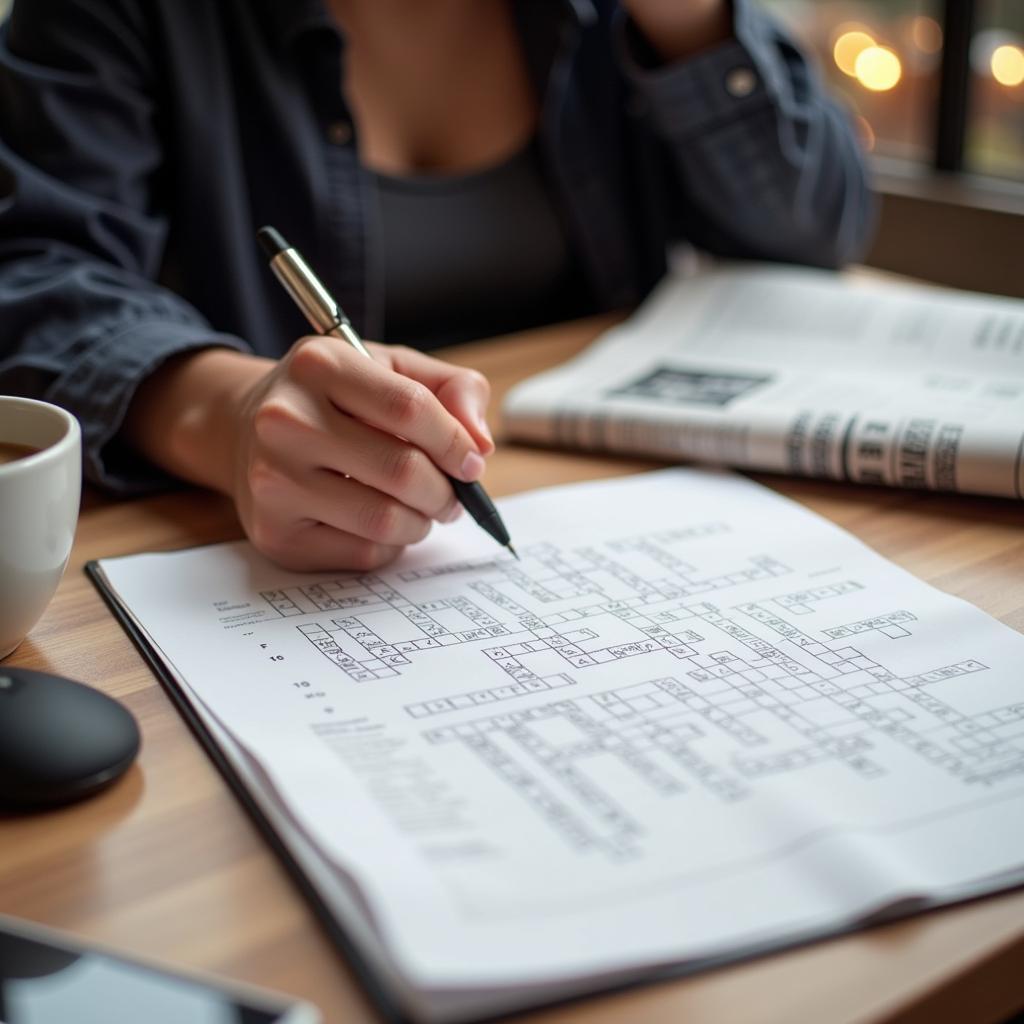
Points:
x=99 y=387
x=729 y=81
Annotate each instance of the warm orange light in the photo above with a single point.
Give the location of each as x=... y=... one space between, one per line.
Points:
x=1008 y=65
x=848 y=47
x=877 y=68
x=926 y=34
x=865 y=133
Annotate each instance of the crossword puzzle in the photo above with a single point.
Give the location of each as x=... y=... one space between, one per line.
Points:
x=690 y=694
x=754 y=695
x=779 y=698
x=384 y=629
x=774 y=714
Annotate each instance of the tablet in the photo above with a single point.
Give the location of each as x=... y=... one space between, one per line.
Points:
x=49 y=978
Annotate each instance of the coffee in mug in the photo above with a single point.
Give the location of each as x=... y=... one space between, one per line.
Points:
x=40 y=491
x=13 y=452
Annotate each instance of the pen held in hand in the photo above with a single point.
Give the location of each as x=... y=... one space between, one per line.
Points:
x=326 y=317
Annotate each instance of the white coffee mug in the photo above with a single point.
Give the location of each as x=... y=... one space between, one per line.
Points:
x=39 y=498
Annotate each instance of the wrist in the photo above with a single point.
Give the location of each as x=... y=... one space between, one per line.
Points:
x=185 y=418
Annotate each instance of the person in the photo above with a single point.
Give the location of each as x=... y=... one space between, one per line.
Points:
x=451 y=169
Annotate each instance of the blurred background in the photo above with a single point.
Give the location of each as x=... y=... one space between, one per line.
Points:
x=936 y=90
x=884 y=58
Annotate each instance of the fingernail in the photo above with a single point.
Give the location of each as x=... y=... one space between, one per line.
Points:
x=472 y=466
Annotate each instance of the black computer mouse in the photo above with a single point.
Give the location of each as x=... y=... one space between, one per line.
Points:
x=59 y=740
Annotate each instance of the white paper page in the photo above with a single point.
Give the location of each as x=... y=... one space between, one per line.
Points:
x=694 y=718
x=343 y=897
x=821 y=319
x=801 y=371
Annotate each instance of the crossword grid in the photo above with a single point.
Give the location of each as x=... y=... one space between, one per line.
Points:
x=495 y=693
x=754 y=696
x=800 y=603
x=655 y=730
x=384 y=628
x=830 y=703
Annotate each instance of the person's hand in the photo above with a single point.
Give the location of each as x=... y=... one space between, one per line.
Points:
x=334 y=461
x=340 y=459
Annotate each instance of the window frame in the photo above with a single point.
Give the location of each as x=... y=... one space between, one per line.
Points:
x=958 y=19
x=940 y=221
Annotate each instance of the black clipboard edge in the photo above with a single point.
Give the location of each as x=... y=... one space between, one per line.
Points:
x=390 y=1008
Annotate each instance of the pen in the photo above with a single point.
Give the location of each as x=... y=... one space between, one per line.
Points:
x=327 y=317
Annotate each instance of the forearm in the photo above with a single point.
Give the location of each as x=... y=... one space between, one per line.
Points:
x=677 y=28
x=184 y=418
x=758 y=161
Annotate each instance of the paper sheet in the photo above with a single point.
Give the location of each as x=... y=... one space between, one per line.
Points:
x=694 y=718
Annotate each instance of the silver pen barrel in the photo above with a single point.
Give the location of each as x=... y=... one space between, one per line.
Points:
x=344 y=329
x=322 y=312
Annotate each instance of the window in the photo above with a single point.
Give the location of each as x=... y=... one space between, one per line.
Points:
x=995 y=125
x=882 y=57
x=935 y=81
x=936 y=88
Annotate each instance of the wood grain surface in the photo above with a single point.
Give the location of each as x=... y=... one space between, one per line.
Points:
x=166 y=863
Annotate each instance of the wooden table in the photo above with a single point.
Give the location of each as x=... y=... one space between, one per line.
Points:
x=167 y=864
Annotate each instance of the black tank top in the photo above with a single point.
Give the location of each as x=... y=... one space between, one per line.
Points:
x=476 y=255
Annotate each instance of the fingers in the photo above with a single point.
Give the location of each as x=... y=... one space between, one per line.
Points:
x=392 y=402
x=317 y=548
x=345 y=460
x=352 y=507
x=344 y=524
x=465 y=393
x=335 y=501
x=322 y=547
x=320 y=444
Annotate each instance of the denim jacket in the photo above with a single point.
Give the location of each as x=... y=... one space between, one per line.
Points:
x=143 y=141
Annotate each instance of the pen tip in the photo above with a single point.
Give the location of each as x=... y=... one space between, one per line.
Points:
x=514 y=552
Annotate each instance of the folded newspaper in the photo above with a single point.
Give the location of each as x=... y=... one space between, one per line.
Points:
x=810 y=372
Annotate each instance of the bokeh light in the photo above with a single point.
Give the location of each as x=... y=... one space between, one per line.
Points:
x=850 y=43
x=1008 y=65
x=884 y=59
x=926 y=33
x=865 y=133
x=877 y=68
